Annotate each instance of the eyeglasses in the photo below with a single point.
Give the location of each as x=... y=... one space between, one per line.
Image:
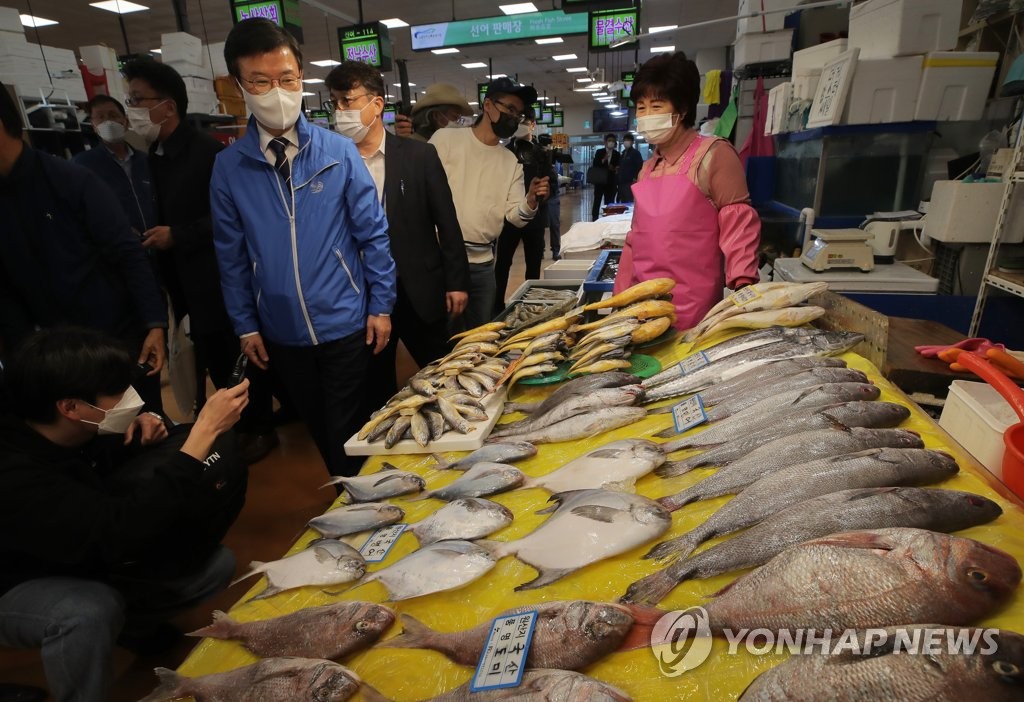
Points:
x=261 y=86
x=136 y=100
x=510 y=110
x=344 y=102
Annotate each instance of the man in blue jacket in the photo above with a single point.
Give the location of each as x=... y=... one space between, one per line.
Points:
x=302 y=244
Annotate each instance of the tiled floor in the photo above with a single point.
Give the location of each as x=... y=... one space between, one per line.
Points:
x=283 y=494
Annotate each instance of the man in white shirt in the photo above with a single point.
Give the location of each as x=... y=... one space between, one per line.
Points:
x=487 y=186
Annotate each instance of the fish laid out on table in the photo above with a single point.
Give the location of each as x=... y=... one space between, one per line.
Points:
x=385 y=483
x=464 y=518
x=542 y=685
x=775 y=302
x=326 y=562
x=352 y=519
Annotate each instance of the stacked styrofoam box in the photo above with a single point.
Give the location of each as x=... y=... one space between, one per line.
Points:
x=102 y=60
x=808 y=64
x=21 y=64
x=186 y=54
x=764 y=23
x=216 y=57
x=10 y=21
x=767 y=47
x=955 y=85
x=887 y=28
x=201 y=96
x=884 y=90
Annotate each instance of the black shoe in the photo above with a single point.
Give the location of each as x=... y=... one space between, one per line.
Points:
x=556 y=256
x=152 y=642
x=255 y=447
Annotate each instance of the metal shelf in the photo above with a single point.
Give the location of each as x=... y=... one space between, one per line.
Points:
x=1009 y=282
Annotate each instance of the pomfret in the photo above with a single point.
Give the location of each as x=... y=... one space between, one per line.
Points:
x=846 y=510
x=586 y=425
x=789 y=486
x=484 y=478
x=616 y=466
x=437 y=567
x=351 y=519
x=568 y=635
x=542 y=685
x=268 y=679
x=502 y=452
x=325 y=562
x=465 y=518
x=385 y=483
x=330 y=631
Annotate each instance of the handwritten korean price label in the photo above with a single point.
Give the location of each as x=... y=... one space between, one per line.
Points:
x=694 y=362
x=504 y=657
x=744 y=295
x=380 y=542
x=689 y=413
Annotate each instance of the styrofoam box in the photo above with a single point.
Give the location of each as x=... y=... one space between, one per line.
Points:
x=977 y=416
x=883 y=91
x=965 y=213
x=764 y=23
x=10 y=20
x=804 y=86
x=887 y=28
x=762 y=48
x=16 y=46
x=216 y=56
x=181 y=46
x=187 y=68
x=194 y=83
x=811 y=61
x=955 y=85
x=98 y=58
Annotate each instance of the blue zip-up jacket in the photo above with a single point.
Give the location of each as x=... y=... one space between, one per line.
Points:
x=135 y=193
x=306 y=267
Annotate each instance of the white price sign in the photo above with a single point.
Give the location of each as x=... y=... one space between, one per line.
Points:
x=694 y=362
x=504 y=657
x=744 y=295
x=380 y=542
x=689 y=413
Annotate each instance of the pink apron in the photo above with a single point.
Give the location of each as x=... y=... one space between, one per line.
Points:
x=675 y=235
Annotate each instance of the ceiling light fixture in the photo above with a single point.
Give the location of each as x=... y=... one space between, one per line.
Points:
x=473 y=103
x=307 y=94
x=449 y=50
x=399 y=85
x=34 y=22
x=662 y=49
x=518 y=8
x=565 y=57
x=156 y=51
x=120 y=7
x=666 y=28
x=549 y=40
x=326 y=63
x=394 y=23
x=475 y=64
x=577 y=69
x=584 y=80
x=312 y=80
x=496 y=76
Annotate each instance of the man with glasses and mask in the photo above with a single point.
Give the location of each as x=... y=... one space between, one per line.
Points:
x=426 y=242
x=440 y=106
x=181 y=160
x=487 y=185
x=302 y=244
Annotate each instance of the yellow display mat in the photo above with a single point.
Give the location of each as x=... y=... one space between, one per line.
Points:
x=405 y=674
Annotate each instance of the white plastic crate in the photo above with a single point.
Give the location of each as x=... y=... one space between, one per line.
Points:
x=883 y=91
x=977 y=416
x=762 y=48
x=887 y=28
x=810 y=61
x=955 y=85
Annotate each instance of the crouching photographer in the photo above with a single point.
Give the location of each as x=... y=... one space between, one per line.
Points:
x=110 y=523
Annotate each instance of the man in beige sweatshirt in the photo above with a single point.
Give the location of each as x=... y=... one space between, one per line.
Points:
x=486 y=183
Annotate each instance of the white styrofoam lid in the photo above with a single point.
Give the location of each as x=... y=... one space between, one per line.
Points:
x=989 y=404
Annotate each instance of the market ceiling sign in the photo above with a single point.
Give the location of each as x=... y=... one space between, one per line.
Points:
x=487 y=30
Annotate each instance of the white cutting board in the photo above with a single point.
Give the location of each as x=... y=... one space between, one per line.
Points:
x=494 y=405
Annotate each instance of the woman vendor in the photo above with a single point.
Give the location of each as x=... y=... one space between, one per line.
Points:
x=692 y=218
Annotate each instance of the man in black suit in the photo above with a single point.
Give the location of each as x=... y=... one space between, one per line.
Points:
x=426 y=241
x=608 y=160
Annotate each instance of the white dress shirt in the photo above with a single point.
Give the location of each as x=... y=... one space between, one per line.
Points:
x=375 y=164
x=292 y=135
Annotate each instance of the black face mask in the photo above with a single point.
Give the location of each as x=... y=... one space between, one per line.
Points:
x=506 y=125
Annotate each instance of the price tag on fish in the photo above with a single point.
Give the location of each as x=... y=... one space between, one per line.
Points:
x=694 y=362
x=744 y=295
x=504 y=657
x=689 y=413
x=379 y=544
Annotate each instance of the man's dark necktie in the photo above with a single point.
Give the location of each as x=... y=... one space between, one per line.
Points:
x=278 y=145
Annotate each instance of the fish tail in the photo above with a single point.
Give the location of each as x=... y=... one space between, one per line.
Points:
x=371 y=694
x=269 y=592
x=650 y=590
x=667 y=409
x=497 y=549
x=674 y=502
x=673 y=468
x=223 y=627
x=415 y=634
x=254 y=568
x=334 y=481
x=442 y=464
x=664 y=433
x=167 y=688
x=681 y=546
x=644 y=620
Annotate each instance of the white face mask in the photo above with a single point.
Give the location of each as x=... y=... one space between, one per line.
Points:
x=141 y=124
x=458 y=123
x=656 y=128
x=110 y=131
x=118 y=418
x=522 y=132
x=276 y=109
x=349 y=123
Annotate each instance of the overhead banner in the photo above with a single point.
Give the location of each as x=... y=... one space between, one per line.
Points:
x=487 y=30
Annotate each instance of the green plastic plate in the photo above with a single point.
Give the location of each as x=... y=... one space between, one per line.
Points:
x=640 y=365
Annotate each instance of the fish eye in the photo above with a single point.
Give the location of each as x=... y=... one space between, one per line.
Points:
x=362 y=625
x=978 y=576
x=1004 y=668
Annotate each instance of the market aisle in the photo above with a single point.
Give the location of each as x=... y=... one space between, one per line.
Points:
x=283 y=495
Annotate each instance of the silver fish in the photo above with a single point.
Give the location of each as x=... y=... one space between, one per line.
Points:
x=737 y=402
x=622 y=396
x=351 y=519
x=772 y=411
x=437 y=567
x=452 y=416
x=577 y=386
x=789 y=486
x=466 y=518
x=616 y=466
x=325 y=562
x=767 y=374
x=587 y=526
x=387 y=482
x=846 y=510
x=484 y=478
x=436 y=423
x=586 y=425
x=501 y=452
x=846 y=414
x=397 y=430
x=542 y=685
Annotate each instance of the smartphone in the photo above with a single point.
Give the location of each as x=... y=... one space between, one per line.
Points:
x=239 y=371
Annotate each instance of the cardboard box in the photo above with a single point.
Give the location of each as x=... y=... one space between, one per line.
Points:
x=181 y=46
x=955 y=85
x=98 y=58
x=810 y=61
x=233 y=106
x=227 y=87
x=10 y=21
x=762 y=48
x=765 y=23
x=884 y=91
x=887 y=28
